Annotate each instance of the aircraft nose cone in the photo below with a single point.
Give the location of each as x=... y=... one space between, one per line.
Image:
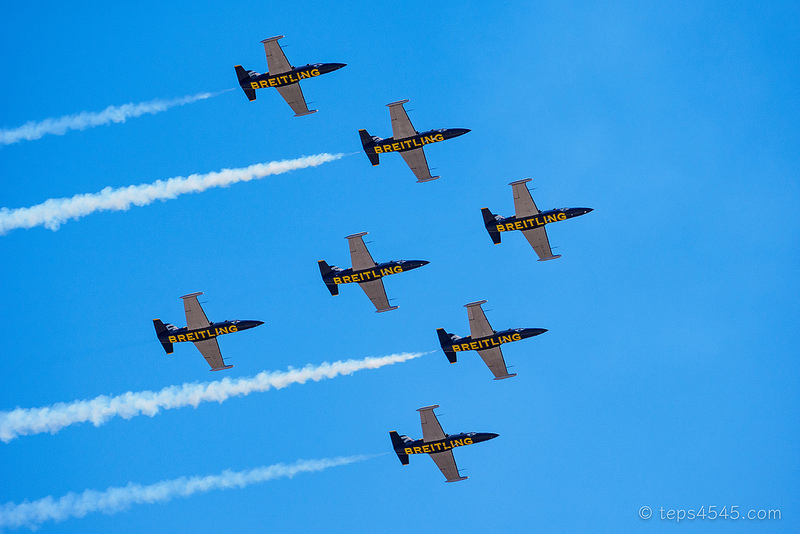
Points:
x=587 y=210
x=491 y=435
x=337 y=66
x=423 y=262
x=258 y=323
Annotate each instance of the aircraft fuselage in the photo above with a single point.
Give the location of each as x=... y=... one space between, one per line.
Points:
x=417 y=141
x=505 y=224
x=213 y=330
x=450 y=442
x=495 y=340
x=348 y=276
x=266 y=80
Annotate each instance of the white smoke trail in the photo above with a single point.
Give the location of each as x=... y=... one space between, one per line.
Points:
x=28 y=421
x=55 y=211
x=117 y=499
x=89 y=119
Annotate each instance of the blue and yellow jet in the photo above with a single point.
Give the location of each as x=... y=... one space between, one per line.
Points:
x=283 y=77
x=407 y=141
x=484 y=340
x=436 y=443
x=200 y=331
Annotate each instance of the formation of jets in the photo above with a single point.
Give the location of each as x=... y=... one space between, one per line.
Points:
x=369 y=274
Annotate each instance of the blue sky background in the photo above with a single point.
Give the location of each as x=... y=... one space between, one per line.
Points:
x=669 y=374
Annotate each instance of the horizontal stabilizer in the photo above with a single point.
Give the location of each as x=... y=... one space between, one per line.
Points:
x=222 y=368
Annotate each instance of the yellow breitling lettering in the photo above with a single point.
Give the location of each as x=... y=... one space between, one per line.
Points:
x=233 y=328
x=181 y=337
x=395 y=146
x=346 y=279
x=465 y=346
x=254 y=85
x=397 y=269
x=438 y=137
x=189 y=337
x=456 y=348
x=467 y=441
x=265 y=83
x=273 y=82
x=315 y=72
x=417 y=450
x=221 y=331
x=426 y=448
x=173 y=339
x=337 y=280
x=562 y=216
x=456 y=443
x=409 y=450
x=474 y=345
x=516 y=337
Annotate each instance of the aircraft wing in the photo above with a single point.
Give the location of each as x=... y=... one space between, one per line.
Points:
x=493 y=358
x=431 y=429
x=523 y=201
x=419 y=165
x=537 y=237
x=401 y=124
x=209 y=348
x=447 y=465
x=377 y=294
x=294 y=97
x=276 y=59
x=359 y=254
x=478 y=324
x=195 y=316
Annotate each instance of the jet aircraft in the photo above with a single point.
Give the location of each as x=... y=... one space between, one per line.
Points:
x=406 y=140
x=365 y=272
x=484 y=340
x=529 y=219
x=436 y=443
x=202 y=332
x=283 y=76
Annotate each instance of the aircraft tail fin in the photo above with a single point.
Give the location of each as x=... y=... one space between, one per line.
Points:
x=368 y=142
x=161 y=328
x=398 y=443
x=490 y=218
x=244 y=77
x=325 y=270
x=446 y=341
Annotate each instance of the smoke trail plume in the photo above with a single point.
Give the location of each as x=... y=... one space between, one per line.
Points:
x=55 y=211
x=89 y=119
x=27 y=421
x=117 y=499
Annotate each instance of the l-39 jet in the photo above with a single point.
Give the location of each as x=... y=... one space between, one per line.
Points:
x=484 y=340
x=365 y=272
x=283 y=76
x=406 y=140
x=529 y=220
x=200 y=331
x=436 y=443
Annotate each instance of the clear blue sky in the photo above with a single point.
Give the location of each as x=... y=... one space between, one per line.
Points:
x=669 y=374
